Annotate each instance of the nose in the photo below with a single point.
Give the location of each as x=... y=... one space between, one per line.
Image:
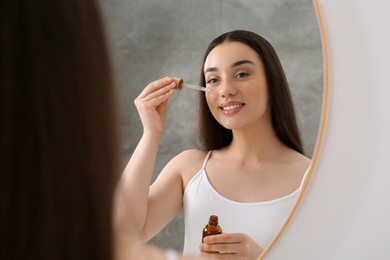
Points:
x=227 y=89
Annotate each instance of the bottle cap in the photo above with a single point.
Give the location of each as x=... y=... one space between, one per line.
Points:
x=179 y=82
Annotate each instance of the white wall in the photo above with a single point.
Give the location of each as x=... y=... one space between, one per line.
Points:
x=345 y=212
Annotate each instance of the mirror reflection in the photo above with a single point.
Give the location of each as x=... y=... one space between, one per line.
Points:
x=153 y=39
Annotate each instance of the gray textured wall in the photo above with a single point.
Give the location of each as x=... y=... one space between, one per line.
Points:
x=150 y=39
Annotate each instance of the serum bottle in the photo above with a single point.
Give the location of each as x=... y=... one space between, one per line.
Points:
x=212 y=228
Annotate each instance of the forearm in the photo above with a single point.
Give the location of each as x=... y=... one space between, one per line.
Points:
x=133 y=190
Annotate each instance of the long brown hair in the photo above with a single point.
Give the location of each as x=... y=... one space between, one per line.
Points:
x=58 y=143
x=212 y=135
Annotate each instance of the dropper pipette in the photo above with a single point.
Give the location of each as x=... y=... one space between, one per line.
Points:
x=185 y=85
x=180 y=84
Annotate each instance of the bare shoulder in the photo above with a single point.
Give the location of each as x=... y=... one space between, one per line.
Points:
x=298 y=164
x=188 y=163
x=302 y=160
x=180 y=169
x=189 y=157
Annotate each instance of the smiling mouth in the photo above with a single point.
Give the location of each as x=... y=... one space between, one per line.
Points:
x=231 y=107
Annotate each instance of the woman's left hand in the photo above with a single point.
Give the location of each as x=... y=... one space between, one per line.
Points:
x=230 y=246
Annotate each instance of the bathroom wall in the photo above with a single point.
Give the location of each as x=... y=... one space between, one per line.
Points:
x=150 y=39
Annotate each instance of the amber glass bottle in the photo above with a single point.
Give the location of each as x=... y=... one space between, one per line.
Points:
x=212 y=228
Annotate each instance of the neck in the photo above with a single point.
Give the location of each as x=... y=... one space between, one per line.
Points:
x=256 y=143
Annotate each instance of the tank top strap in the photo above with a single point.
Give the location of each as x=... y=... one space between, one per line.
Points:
x=206 y=159
x=304 y=177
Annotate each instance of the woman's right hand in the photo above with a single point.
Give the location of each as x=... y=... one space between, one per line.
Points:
x=152 y=104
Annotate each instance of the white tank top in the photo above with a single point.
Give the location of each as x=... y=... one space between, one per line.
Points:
x=259 y=220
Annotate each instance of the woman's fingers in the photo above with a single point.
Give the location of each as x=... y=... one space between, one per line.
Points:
x=225 y=238
x=153 y=101
x=224 y=242
x=230 y=245
x=157 y=88
x=152 y=104
x=161 y=94
x=226 y=248
x=156 y=93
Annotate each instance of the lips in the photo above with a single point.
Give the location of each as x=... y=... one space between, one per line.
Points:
x=231 y=107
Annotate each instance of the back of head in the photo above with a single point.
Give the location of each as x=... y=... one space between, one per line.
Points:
x=58 y=144
x=213 y=135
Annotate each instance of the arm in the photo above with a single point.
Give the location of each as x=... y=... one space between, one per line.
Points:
x=133 y=205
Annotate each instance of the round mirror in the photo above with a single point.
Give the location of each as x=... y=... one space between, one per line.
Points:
x=152 y=38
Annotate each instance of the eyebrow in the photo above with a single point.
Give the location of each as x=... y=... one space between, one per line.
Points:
x=235 y=64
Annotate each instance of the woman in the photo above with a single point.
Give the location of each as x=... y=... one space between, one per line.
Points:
x=58 y=139
x=250 y=168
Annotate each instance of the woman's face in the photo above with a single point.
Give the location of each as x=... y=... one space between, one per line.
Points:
x=237 y=92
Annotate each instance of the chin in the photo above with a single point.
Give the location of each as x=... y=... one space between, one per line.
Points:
x=231 y=125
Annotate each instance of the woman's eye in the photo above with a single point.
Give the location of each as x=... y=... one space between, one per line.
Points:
x=212 y=81
x=242 y=75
